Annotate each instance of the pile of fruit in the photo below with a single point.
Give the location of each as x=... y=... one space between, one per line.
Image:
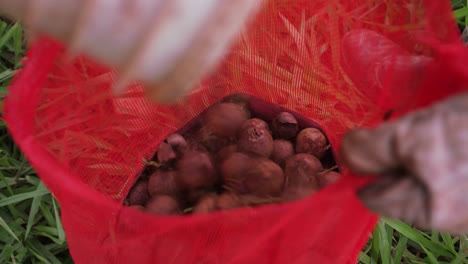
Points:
x=229 y=158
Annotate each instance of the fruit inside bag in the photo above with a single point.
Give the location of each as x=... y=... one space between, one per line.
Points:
x=90 y=148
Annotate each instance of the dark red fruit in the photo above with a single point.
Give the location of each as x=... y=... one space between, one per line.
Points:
x=301 y=170
x=312 y=141
x=264 y=179
x=138 y=207
x=328 y=178
x=285 y=126
x=255 y=141
x=163 y=182
x=233 y=172
x=163 y=205
x=195 y=170
x=138 y=195
x=282 y=151
x=225 y=119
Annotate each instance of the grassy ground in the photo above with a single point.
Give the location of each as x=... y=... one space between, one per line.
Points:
x=31 y=231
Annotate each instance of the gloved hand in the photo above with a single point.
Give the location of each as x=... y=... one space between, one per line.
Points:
x=421 y=166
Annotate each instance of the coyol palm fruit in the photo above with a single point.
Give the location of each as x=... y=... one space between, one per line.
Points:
x=264 y=178
x=233 y=172
x=227 y=201
x=312 y=141
x=206 y=204
x=301 y=170
x=162 y=182
x=195 y=170
x=297 y=193
x=282 y=151
x=226 y=152
x=285 y=126
x=178 y=144
x=256 y=141
x=255 y=122
x=138 y=195
x=327 y=178
x=163 y=205
x=225 y=119
x=165 y=153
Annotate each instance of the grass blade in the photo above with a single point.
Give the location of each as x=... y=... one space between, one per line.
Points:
x=34 y=208
x=21 y=197
x=430 y=257
x=8 y=229
x=400 y=249
x=384 y=244
x=438 y=248
x=60 y=231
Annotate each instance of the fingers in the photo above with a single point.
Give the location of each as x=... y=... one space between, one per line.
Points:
x=370 y=151
x=402 y=198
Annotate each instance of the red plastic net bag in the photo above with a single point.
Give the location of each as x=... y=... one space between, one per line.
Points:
x=341 y=64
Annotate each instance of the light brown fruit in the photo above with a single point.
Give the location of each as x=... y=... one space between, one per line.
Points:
x=163 y=205
x=301 y=170
x=226 y=152
x=264 y=178
x=255 y=122
x=163 y=182
x=207 y=204
x=233 y=172
x=328 y=178
x=195 y=170
x=138 y=195
x=312 y=141
x=282 y=151
x=255 y=141
x=225 y=119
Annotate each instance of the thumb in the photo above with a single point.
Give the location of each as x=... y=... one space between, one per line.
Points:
x=370 y=151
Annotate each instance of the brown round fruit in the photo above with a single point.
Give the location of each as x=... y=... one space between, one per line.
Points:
x=228 y=201
x=255 y=122
x=207 y=204
x=211 y=142
x=138 y=195
x=225 y=119
x=264 y=179
x=165 y=153
x=162 y=182
x=226 y=152
x=163 y=205
x=256 y=141
x=328 y=178
x=301 y=170
x=195 y=170
x=233 y=171
x=178 y=143
x=312 y=141
x=282 y=151
x=192 y=197
x=138 y=207
x=285 y=126
x=296 y=193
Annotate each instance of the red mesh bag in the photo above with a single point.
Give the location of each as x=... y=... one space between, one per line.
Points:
x=341 y=64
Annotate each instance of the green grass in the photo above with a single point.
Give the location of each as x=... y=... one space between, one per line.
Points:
x=31 y=231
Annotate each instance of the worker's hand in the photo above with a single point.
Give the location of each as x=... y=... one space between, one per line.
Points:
x=421 y=166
